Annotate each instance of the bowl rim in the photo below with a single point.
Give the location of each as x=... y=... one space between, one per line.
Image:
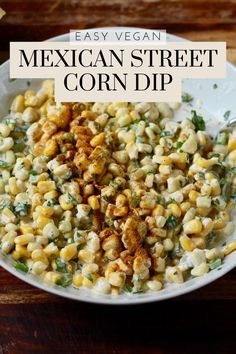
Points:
x=129 y=300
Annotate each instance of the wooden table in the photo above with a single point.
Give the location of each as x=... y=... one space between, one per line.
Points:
x=32 y=321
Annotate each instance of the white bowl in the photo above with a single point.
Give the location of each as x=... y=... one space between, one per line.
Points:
x=214 y=103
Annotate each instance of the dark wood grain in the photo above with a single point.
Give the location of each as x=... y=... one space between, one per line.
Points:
x=41 y=19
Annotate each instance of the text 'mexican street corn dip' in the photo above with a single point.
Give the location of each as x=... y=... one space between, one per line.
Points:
x=117 y=197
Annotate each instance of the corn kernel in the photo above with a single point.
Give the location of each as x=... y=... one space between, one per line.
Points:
x=193 y=227
x=68 y=252
x=186 y=243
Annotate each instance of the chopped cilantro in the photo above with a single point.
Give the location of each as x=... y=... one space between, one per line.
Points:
x=135 y=200
x=198 y=121
x=61 y=266
x=21 y=266
x=32 y=173
x=186 y=97
x=89 y=277
x=171 y=222
x=65 y=281
x=179 y=144
x=4 y=164
x=127 y=288
x=215 y=263
x=165 y=133
x=21 y=209
x=72 y=199
x=226 y=115
x=222 y=138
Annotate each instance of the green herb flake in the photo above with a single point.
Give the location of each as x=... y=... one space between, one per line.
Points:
x=171 y=222
x=198 y=121
x=61 y=266
x=33 y=173
x=210 y=238
x=222 y=138
x=4 y=164
x=136 y=200
x=164 y=133
x=72 y=199
x=179 y=144
x=186 y=97
x=89 y=277
x=65 y=281
x=215 y=263
x=127 y=288
x=215 y=86
x=226 y=115
x=21 y=266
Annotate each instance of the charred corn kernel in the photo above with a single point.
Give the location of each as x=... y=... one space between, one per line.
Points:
x=120 y=211
x=186 y=243
x=51 y=149
x=46 y=186
x=24 y=239
x=42 y=221
x=120 y=200
x=193 y=195
x=18 y=104
x=38 y=267
x=65 y=202
x=98 y=140
x=231 y=144
x=39 y=255
x=117 y=279
x=193 y=227
x=68 y=252
x=47 y=211
x=185 y=206
x=230 y=247
x=218 y=224
x=175 y=209
x=77 y=279
x=52 y=277
x=200 y=270
x=93 y=202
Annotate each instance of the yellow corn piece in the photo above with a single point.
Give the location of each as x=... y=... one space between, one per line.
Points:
x=230 y=248
x=46 y=186
x=51 y=148
x=78 y=279
x=193 y=227
x=42 y=221
x=231 y=144
x=186 y=243
x=93 y=202
x=68 y=252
